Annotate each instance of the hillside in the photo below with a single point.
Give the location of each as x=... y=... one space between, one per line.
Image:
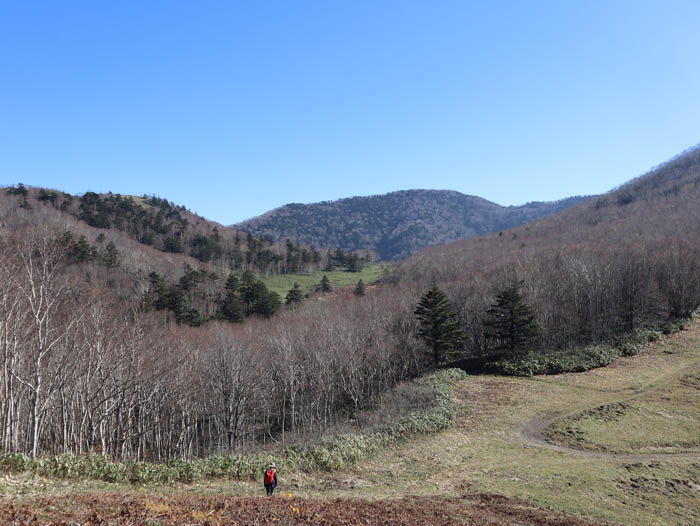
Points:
x=179 y=262
x=614 y=265
x=147 y=341
x=659 y=206
x=171 y=228
x=140 y=342
x=140 y=353
x=397 y=224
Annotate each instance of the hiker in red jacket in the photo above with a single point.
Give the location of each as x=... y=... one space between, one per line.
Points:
x=270 y=479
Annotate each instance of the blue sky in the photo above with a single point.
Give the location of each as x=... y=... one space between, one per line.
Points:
x=233 y=108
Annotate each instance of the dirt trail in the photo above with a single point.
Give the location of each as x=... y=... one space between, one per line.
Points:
x=532 y=431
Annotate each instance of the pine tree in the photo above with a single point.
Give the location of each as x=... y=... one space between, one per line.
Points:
x=256 y=298
x=232 y=308
x=111 y=255
x=511 y=322
x=439 y=327
x=359 y=289
x=353 y=263
x=157 y=295
x=83 y=251
x=295 y=295
x=22 y=192
x=339 y=258
x=248 y=291
x=232 y=284
x=269 y=303
x=325 y=284
x=180 y=298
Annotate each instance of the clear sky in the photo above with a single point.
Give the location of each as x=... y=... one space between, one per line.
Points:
x=232 y=108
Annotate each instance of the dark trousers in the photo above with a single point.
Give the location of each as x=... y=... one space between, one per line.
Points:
x=270 y=488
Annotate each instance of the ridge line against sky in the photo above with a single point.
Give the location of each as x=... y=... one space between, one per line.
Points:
x=233 y=109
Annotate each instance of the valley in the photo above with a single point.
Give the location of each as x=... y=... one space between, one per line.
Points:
x=420 y=263
x=163 y=371
x=490 y=468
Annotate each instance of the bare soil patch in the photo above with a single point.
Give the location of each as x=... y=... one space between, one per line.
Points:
x=132 y=510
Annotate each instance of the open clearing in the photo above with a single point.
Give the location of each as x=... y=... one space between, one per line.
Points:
x=634 y=479
x=281 y=283
x=625 y=452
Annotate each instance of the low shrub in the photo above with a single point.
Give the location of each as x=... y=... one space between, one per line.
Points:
x=583 y=358
x=340 y=451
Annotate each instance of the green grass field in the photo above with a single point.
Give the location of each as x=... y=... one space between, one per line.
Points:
x=660 y=421
x=338 y=279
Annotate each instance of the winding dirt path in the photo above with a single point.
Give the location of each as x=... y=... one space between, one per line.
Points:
x=532 y=431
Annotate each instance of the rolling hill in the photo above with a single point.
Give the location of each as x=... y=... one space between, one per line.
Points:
x=140 y=355
x=397 y=224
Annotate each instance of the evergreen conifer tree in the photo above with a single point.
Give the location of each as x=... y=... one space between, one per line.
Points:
x=269 y=303
x=439 y=327
x=256 y=298
x=83 y=251
x=511 y=322
x=295 y=295
x=232 y=283
x=353 y=263
x=325 y=284
x=232 y=308
x=111 y=255
x=360 y=288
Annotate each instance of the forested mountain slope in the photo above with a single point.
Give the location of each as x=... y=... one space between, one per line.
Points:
x=614 y=264
x=179 y=262
x=158 y=223
x=397 y=224
x=115 y=339
x=658 y=206
x=131 y=350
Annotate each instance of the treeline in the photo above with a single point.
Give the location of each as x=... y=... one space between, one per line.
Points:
x=593 y=276
x=547 y=313
x=157 y=222
x=92 y=362
x=87 y=370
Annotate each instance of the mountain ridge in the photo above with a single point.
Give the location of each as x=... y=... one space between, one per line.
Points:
x=397 y=224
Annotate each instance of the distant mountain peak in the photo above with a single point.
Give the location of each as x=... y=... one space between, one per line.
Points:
x=397 y=224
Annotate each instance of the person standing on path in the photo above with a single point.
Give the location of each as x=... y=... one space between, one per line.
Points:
x=270 y=479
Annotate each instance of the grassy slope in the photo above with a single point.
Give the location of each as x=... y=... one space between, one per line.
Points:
x=658 y=421
x=485 y=455
x=308 y=282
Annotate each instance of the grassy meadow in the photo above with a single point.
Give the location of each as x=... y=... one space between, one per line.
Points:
x=308 y=282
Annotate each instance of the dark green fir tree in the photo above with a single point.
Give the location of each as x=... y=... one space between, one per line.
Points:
x=232 y=308
x=294 y=296
x=325 y=284
x=439 y=327
x=359 y=288
x=111 y=255
x=510 y=322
